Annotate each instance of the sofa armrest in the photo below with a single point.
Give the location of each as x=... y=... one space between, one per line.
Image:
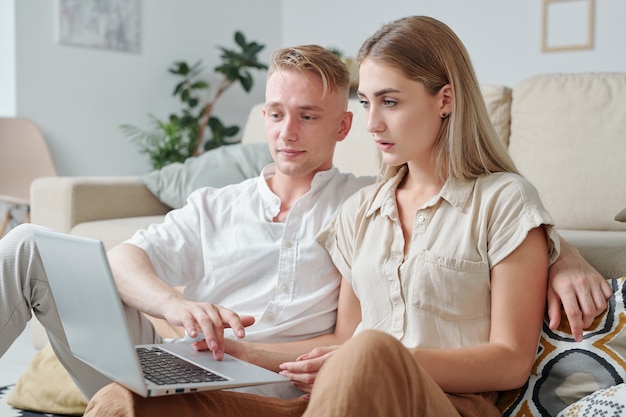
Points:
x=60 y=203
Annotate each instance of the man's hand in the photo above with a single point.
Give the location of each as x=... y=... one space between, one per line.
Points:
x=304 y=370
x=581 y=289
x=209 y=319
x=140 y=287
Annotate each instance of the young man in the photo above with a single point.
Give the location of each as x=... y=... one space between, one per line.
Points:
x=249 y=247
x=245 y=253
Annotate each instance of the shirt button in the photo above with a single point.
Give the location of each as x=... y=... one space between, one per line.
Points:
x=397 y=324
x=284 y=288
x=287 y=244
x=421 y=219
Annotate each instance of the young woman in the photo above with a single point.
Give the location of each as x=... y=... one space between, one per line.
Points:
x=447 y=257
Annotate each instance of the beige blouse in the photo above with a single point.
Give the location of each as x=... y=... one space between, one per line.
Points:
x=440 y=296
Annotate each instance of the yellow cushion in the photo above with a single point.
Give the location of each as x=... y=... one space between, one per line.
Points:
x=46 y=387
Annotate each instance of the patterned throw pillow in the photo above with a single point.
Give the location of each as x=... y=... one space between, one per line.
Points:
x=565 y=371
x=610 y=402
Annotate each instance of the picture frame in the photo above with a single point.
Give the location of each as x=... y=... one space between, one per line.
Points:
x=103 y=24
x=567 y=25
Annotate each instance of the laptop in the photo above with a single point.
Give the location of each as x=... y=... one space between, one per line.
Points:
x=92 y=315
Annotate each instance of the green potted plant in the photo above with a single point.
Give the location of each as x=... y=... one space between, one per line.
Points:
x=184 y=135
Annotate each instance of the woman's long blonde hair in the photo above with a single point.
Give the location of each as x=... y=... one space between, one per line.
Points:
x=428 y=51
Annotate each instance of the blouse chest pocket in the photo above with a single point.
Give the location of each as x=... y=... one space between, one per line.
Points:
x=451 y=288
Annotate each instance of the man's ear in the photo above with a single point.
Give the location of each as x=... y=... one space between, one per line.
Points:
x=447 y=99
x=345 y=125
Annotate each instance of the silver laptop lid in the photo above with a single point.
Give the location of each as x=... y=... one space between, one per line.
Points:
x=90 y=309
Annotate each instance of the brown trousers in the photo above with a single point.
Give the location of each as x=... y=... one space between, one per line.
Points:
x=371 y=375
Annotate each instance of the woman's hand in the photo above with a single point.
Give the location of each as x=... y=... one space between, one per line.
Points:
x=582 y=291
x=304 y=370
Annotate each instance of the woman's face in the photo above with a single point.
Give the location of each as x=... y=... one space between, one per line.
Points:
x=402 y=115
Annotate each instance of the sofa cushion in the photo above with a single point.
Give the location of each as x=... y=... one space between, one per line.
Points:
x=607 y=402
x=225 y=165
x=566 y=371
x=568 y=139
x=498 y=102
x=113 y=231
x=621 y=216
x=46 y=387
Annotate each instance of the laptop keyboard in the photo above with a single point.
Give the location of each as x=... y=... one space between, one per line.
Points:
x=163 y=368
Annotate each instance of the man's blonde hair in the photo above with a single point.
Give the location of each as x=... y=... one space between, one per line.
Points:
x=314 y=59
x=429 y=52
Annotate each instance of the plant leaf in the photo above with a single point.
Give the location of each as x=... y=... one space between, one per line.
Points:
x=240 y=39
x=215 y=124
x=199 y=85
x=246 y=80
x=231 y=130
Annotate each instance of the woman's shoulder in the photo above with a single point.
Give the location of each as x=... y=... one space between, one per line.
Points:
x=500 y=180
x=508 y=185
x=366 y=194
x=358 y=205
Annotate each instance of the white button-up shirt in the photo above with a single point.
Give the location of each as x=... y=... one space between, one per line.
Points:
x=225 y=248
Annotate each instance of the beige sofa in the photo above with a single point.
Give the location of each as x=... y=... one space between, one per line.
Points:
x=565 y=132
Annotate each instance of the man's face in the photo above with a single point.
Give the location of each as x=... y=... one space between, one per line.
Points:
x=302 y=127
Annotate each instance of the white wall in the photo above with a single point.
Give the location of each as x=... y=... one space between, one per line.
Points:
x=502 y=37
x=79 y=96
x=7 y=61
x=7 y=67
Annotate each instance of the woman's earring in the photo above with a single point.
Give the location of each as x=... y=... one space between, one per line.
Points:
x=444 y=115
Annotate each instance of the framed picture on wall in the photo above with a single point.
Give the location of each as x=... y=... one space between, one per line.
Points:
x=106 y=24
x=567 y=25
